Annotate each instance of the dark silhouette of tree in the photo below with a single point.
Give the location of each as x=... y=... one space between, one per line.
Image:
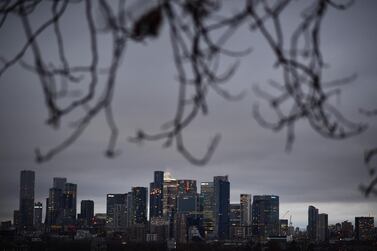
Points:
x=199 y=31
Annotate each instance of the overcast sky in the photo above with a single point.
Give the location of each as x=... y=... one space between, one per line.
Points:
x=321 y=172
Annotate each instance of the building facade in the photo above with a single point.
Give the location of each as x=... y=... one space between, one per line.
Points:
x=26 y=205
x=265 y=216
x=364 y=227
x=222 y=206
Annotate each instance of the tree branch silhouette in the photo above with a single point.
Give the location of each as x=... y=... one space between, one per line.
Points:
x=198 y=32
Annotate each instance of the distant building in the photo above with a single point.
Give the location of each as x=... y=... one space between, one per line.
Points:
x=265 y=214
x=54 y=208
x=116 y=216
x=207 y=198
x=245 y=202
x=139 y=205
x=364 y=228
x=322 y=228
x=38 y=208
x=283 y=227
x=87 y=212
x=187 y=197
x=27 y=181
x=69 y=203
x=312 y=223
x=16 y=218
x=156 y=196
x=236 y=231
x=222 y=202
x=346 y=230
x=59 y=183
x=170 y=192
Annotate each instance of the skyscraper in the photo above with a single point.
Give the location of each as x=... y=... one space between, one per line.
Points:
x=139 y=205
x=27 y=180
x=38 y=215
x=322 y=228
x=87 y=211
x=236 y=231
x=245 y=202
x=116 y=205
x=59 y=182
x=187 y=196
x=156 y=196
x=312 y=223
x=70 y=203
x=265 y=216
x=222 y=201
x=207 y=198
x=54 y=208
x=364 y=228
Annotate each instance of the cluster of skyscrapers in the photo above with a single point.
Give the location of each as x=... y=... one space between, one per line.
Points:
x=177 y=211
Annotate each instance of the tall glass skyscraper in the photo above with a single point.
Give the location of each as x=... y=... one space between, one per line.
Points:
x=70 y=203
x=222 y=202
x=87 y=211
x=26 y=209
x=115 y=219
x=312 y=223
x=156 y=196
x=207 y=198
x=38 y=215
x=187 y=196
x=245 y=202
x=139 y=205
x=265 y=216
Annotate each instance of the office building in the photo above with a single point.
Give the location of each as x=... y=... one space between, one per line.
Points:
x=116 y=216
x=236 y=231
x=139 y=205
x=283 y=227
x=364 y=227
x=322 y=228
x=170 y=192
x=245 y=202
x=156 y=196
x=59 y=183
x=54 y=209
x=87 y=212
x=265 y=216
x=312 y=223
x=38 y=208
x=26 y=206
x=187 y=197
x=69 y=203
x=222 y=201
x=207 y=198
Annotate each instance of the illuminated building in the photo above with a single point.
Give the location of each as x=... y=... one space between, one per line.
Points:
x=116 y=216
x=139 y=205
x=265 y=216
x=364 y=228
x=38 y=215
x=207 y=195
x=156 y=196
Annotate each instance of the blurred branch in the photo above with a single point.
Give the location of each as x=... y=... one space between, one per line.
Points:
x=199 y=31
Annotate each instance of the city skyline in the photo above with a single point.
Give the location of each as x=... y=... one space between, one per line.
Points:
x=287 y=214
x=318 y=171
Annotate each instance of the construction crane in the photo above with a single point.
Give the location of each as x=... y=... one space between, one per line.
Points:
x=285 y=214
